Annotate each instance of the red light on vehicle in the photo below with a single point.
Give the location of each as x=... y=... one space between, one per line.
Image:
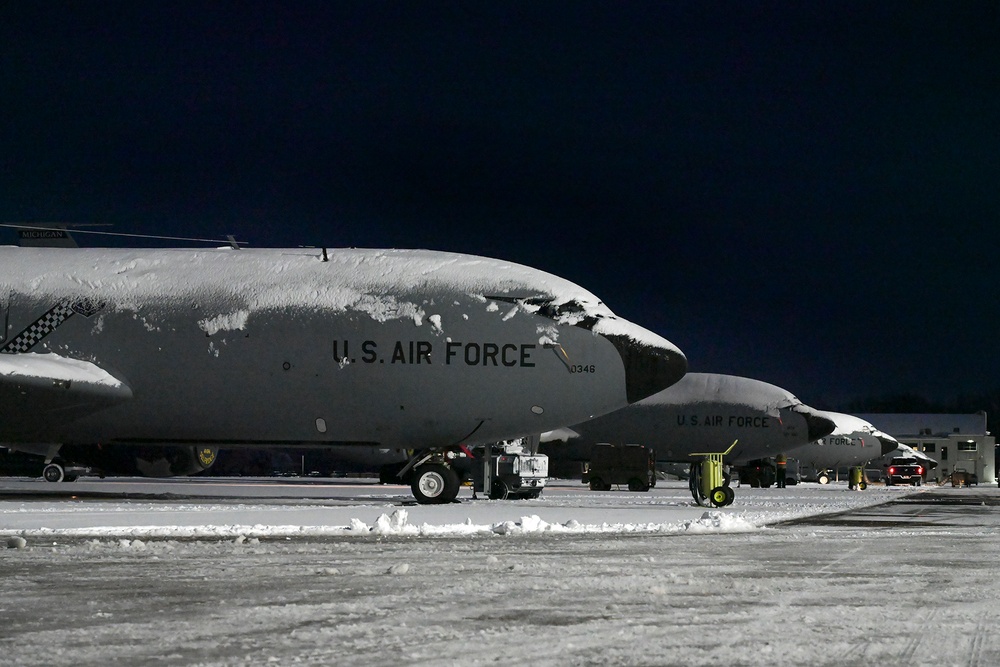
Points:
x=892 y=471
x=920 y=470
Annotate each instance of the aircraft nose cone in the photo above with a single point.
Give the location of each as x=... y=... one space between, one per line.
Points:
x=888 y=444
x=651 y=363
x=817 y=426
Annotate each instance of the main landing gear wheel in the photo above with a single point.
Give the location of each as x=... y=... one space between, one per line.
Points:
x=434 y=483
x=54 y=472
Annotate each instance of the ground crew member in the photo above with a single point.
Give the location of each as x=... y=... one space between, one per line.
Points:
x=781 y=462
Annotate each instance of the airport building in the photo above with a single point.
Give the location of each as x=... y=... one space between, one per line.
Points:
x=955 y=441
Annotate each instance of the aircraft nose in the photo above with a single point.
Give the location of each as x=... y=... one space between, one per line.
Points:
x=651 y=363
x=818 y=426
x=888 y=444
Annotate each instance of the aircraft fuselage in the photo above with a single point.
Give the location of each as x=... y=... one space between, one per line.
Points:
x=403 y=349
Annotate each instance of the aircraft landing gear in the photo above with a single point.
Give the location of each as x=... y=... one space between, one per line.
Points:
x=434 y=483
x=433 y=480
x=708 y=487
x=55 y=472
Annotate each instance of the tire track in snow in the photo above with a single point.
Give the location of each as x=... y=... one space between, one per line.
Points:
x=978 y=640
x=910 y=650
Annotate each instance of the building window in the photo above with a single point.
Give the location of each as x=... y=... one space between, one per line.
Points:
x=967 y=446
x=944 y=453
x=929 y=446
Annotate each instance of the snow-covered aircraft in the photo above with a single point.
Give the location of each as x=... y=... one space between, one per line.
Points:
x=853 y=442
x=703 y=412
x=195 y=350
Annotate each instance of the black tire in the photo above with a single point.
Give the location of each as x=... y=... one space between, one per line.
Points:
x=730 y=495
x=636 y=484
x=823 y=478
x=498 y=491
x=863 y=486
x=718 y=496
x=54 y=472
x=596 y=484
x=434 y=484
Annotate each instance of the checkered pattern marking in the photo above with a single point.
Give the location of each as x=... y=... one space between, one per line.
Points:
x=34 y=334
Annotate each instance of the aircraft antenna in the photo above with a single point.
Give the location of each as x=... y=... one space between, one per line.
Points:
x=229 y=240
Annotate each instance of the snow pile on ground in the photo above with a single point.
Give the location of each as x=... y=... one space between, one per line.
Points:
x=378 y=511
x=397 y=524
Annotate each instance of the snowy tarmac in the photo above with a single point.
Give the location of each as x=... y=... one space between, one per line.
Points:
x=249 y=572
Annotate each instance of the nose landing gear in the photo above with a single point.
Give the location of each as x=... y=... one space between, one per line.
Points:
x=432 y=475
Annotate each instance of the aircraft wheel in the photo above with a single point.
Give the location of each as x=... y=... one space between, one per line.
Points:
x=718 y=496
x=730 y=495
x=499 y=491
x=434 y=484
x=823 y=478
x=596 y=484
x=54 y=472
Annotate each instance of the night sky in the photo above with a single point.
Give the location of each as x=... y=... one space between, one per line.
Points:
x=804 y=193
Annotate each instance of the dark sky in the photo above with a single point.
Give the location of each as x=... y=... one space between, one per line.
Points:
x=805 y=192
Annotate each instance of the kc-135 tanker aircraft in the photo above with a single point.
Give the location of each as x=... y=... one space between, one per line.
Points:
x=201 y=349
x=702 y=413
x=853 y=442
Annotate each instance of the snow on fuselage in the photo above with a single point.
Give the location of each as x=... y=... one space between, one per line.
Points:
x=401 y=348
x=854 y=442
x=703 y=412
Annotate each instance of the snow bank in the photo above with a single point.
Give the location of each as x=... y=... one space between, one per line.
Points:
x=397 y=524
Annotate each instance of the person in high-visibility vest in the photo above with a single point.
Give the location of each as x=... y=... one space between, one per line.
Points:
x=781 y=462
